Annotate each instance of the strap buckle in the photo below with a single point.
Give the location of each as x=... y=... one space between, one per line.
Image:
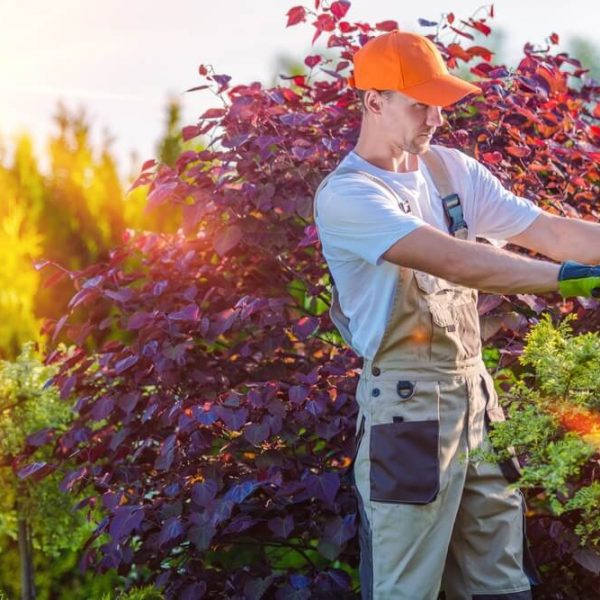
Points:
x=457 y=226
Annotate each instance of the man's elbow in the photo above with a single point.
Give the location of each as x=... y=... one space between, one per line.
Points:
x=432 y=252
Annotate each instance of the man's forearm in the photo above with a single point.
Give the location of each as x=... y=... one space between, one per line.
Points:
x=474 y=265
x=494 y=270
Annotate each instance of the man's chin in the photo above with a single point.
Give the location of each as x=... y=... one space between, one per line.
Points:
x=421 y=146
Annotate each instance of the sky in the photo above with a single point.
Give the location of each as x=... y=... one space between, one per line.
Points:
x=123 y=59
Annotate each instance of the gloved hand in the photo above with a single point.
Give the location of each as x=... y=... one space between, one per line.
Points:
x=576 y=279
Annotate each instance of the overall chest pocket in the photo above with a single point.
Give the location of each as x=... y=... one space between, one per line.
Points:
x=454 y=317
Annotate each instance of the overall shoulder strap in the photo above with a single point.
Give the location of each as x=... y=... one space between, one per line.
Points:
x=457 y=226
x=439 y=171
x=402 y=202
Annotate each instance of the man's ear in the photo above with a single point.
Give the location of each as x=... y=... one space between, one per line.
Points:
x=374 y=100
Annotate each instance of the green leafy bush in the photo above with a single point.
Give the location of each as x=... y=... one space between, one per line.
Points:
x=554 y=424
x=31 y=413
x=27 y=406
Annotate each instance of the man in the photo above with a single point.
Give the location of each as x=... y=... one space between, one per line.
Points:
x=397 y=221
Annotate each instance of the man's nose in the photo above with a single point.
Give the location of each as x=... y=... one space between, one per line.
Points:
x=434 y=116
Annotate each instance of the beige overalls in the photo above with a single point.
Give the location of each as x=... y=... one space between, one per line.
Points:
x=431 y=518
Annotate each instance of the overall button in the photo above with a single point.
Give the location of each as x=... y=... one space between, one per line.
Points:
x=376 y=371
x=375 y=392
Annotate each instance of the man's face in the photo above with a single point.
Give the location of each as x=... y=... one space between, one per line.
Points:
x=407 y=123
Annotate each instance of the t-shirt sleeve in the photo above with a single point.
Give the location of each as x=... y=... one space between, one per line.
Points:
x=499 y=214
x=356 y=218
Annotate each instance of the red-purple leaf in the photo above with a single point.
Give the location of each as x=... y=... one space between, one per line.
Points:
x=238 y=493
x=588 y=559
x=121 y=295
x=298 y=394
x=171 y=530
x=197 y=87
x=479 y=25
x=40 y=438
x=492 y=158
x=149 y=164
x=282 y=527
x=519 y=151
x=102 y=408
x=82 y=296
x=59 y=325
x=223 y=321
x=323 y=487
x=488 y=302
x=339 y=530
x=234 y=419
x=229 y=238
x=386 y=25
x=481 y=52
x=67 y=386
x=534 y=302
x=339 y=8
x=195 y=591
x=202 y=535
x=204 y=492
x=311 y=61
x=138 y=320
x=461 y=33
x=166 y=456
x=256 y=433
x=295 y=15
x=125 y=520
x=162 y=193
x=310 y=237
x=305 y=326
x=53 y=279
x=66 y=485
x=189 y=132
x=189 y=313
x=213 y=113
x=125 y=363
x=239 y=524
x=457 y=51
x=35 y=471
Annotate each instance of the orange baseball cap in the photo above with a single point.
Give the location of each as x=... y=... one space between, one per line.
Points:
x=411 y=64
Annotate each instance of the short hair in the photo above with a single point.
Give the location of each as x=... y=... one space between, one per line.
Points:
x=361 y=97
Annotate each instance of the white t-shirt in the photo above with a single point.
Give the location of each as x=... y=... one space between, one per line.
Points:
x=357 y=221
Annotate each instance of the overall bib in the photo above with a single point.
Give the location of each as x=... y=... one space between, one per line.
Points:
x=431 y=517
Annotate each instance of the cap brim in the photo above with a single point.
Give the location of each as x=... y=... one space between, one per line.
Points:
x=442 y=91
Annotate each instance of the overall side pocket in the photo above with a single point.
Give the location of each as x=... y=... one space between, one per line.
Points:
x=404 y=460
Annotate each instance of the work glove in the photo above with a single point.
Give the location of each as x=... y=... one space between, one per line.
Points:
x=576 y=279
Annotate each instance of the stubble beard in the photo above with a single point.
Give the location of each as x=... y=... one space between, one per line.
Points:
x=419 y=147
